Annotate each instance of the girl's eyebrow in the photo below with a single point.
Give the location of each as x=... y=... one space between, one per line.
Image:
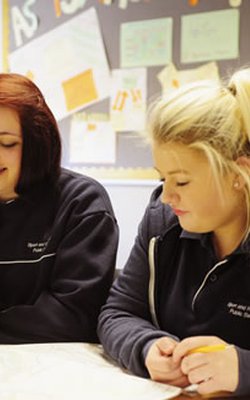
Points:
x=175 y=171
x=3 y=133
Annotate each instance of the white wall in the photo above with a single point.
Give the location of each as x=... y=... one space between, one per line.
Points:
x=129 y=200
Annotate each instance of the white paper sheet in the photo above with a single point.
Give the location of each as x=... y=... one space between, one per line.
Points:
x=66 y=371
x=92 y=139
x=171 y=78
x=128 y=99
x=68 y=64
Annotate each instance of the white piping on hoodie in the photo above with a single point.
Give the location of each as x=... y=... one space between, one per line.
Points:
x=205 y=280
x=151 y=286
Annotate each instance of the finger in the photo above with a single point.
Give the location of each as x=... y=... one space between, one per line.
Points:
x=201 y=374
x=168 y=376
x=188 y=344
x=207 y=386
x=166 y=345
x=164 y=367
x=161 y=365
x=193 y=361
x=180 y=382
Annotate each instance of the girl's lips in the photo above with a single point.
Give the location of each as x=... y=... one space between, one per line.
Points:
x=179 y=213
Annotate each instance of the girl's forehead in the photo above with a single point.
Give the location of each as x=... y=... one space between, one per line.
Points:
x=9 y=122
x=177 y=158
x=177 y=151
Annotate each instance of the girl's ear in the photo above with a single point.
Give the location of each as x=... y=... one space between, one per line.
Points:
x=243 y=162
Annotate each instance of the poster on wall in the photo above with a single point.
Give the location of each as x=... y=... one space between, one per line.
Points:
x=72 y=73
x=128 y=99
x=210 y=36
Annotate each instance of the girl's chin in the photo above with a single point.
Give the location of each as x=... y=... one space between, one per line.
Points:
x=192 y=228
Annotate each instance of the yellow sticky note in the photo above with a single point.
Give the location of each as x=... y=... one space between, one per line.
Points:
x=80 y=90
x=30 y=75
x=57 y=6
x=91 y=127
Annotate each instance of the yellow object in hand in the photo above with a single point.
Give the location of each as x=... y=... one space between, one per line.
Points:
x=209 y=349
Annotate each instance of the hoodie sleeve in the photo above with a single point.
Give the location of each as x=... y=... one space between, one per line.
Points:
x=125 y=324
x=244 y=372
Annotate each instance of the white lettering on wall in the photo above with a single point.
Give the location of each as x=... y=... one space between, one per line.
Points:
x=24 y=21
x=71 y=6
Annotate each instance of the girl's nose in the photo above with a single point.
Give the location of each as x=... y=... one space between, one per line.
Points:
x=168 y=196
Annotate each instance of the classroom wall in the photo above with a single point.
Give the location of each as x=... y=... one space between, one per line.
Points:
x=129 y=201
x=129 y=198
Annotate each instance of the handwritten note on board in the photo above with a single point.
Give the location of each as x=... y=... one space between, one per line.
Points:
x=210 y=36
x=146 y=43
x=128 y=99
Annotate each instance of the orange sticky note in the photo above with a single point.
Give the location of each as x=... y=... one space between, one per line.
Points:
x=193 y=2
x=80 y=90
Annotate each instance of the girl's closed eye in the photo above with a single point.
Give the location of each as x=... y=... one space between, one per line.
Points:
x=9 y=145
x=182 y=183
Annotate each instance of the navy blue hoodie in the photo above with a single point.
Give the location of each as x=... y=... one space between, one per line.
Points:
x=173 y=284
x=57 y=258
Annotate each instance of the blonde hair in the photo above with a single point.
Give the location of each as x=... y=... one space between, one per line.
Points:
x=212 y=117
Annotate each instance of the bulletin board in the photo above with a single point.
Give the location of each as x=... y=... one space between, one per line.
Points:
x=132 y=159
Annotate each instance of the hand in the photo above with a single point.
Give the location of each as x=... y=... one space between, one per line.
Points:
x=214 y=371
x=160 y=365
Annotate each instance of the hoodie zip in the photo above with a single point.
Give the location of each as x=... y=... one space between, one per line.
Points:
x=151 y=286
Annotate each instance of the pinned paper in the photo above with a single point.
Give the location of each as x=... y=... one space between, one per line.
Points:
x=80 y=90
x=92 y=139
x=211 y=36
x=123 y=4
x=80 y=81
x=128 y=99
x=146 y=43
x=171 y=78
x=235 y=3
